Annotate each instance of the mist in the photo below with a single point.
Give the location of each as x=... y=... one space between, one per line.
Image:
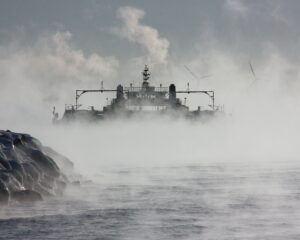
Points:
x=159 y=173
x=259 y=124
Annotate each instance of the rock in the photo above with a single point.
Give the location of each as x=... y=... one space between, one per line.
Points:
x=76 y=183
x=31 y=141
x=62 y=161
x=5 y=164
x=4 y=194
x=29 y=170
x=4 y=176
x=26 y=196
x=11 y=181
x=42 y=190
x=61 y=184
x=45 y=162
x=6 y=142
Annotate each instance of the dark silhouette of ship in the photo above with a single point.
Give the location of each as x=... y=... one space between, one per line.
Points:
x=142 y=101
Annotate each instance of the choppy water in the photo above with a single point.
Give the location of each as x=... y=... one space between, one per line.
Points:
x=204 y=201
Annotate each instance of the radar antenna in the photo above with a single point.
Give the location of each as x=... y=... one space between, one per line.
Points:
x=146 y=73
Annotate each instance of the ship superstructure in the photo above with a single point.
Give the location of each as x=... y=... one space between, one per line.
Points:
x=141 y=101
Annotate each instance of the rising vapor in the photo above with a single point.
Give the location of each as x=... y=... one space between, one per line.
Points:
x=237 y=6
x=148 y=37
x=39 y=75
x=236 y=177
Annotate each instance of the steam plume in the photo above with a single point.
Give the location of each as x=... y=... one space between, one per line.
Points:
x=237 y=6
x=148 y=37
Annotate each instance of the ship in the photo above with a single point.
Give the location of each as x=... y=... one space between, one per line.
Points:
x=142 y=101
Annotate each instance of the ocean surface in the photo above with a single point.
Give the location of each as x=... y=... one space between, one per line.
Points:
x=200 y=201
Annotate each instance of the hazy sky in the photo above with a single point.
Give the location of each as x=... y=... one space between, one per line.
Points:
x=236 y=25
x=49 y=48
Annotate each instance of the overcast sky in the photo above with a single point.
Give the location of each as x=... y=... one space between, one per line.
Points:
x=66 y=44
x=238 y=25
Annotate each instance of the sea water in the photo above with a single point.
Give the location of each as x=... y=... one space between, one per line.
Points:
x=204 y=201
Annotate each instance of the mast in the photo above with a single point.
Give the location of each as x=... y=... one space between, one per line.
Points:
x=146 y=75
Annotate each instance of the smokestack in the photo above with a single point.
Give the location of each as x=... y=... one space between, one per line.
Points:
x=172 y=93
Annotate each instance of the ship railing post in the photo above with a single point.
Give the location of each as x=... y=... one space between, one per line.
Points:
x=213 y=98
x=76 y=103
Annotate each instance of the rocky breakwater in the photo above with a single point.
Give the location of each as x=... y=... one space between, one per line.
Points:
x=29 y=171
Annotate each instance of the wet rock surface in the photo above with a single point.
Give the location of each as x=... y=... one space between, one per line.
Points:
x=29 y=171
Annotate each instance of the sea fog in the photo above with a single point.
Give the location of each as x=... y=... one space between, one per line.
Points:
x=170 y=179
x=234 y=177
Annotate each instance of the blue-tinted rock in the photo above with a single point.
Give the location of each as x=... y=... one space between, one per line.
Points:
x=31 y=170
x=4 y=196
x=5 y=164
x=60 y=160
x=28 y=169
x=26 y=196
x=45 y=162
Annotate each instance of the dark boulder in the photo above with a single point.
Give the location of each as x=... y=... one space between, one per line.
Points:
x=60 y=186
x=6 y=143
x=16 y=166
x=5 y=163
x=62 y=161
x=4 y=175
x=26 y=196
x=18 y=141
x=42 y=190
x=45 y=162
x=30 y=141
x=4 y=194
x=29 y=170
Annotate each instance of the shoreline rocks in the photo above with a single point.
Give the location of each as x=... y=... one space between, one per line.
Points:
x=29 y=171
